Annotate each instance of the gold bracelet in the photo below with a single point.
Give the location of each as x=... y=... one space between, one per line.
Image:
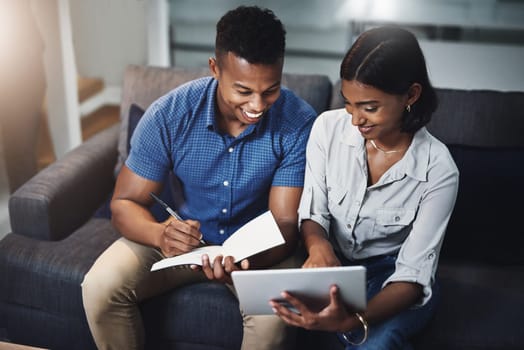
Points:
x=364 y=325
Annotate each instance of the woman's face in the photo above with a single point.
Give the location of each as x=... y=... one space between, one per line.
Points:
x=377 y=114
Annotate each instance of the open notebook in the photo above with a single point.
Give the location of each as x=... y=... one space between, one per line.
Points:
x=259 y=234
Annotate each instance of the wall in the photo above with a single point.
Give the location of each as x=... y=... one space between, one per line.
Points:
x=107 y=36
x=320 y=31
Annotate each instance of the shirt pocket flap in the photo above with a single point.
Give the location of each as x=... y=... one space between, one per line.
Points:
x=336 y=194
x=396 y=216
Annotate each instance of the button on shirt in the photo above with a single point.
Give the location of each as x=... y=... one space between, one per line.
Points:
x=405 y=212
x=225 y=180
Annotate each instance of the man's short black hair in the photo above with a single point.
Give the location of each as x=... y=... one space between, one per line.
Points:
x=252 y=33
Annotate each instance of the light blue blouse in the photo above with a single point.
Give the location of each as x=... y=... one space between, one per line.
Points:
x=406 y=212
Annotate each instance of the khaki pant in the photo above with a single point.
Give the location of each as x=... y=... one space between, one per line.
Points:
x=121 y=277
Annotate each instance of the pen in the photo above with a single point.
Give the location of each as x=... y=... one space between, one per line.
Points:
x=170 y=211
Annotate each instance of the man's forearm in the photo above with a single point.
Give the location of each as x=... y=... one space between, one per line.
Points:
x=135 y=222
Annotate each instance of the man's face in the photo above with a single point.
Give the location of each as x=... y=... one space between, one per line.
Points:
x=245 y=91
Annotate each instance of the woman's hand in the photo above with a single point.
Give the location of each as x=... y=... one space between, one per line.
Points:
x=321 y=254
x=319 y=248
x=332 y=318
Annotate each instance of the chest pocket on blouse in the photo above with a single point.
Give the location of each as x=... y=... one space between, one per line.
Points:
x=336 y=195
x=393 y=220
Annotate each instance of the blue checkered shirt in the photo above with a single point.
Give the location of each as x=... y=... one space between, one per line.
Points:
x=225 y=180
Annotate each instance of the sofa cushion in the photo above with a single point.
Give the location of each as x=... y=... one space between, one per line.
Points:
x=135 y=114
x=484 y=225
x=167 y=195
x=63 y=196
x=211 y=318
x=36 y=271
x=336 y=98
x=315 y=89
x=40 y=281
x=481 y=308
x=479 y=118
x=142 y=86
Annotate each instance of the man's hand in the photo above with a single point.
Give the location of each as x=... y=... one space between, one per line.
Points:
x=179 y=237
x=221 y=270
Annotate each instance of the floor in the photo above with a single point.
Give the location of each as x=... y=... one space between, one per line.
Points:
x=95 y=122
x=9 y=346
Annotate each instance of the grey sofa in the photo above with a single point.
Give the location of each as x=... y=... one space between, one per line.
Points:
x=60 y=226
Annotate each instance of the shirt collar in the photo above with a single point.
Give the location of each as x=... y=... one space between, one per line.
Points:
x=416 y=159
x=210 y=112
x=415 y=162
x=351 y=136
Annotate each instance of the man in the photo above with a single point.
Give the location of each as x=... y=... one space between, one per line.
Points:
x=236 y=141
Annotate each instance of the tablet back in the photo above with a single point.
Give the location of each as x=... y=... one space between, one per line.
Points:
x=255 y=288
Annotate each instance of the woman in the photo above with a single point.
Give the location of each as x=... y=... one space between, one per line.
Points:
x=379 y=191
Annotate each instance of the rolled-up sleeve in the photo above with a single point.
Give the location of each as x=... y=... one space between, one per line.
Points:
x=313 y=203
x=418 y=256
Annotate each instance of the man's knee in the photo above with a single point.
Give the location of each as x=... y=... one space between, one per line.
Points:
x=267 y=332
x=100 y=292
x=112 y=279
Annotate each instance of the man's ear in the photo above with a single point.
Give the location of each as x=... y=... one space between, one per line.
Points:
x=213 y=67
x=414 y=92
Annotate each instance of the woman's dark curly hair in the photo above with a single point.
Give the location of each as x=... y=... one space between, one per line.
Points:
x=252 y=33
x=390 y=59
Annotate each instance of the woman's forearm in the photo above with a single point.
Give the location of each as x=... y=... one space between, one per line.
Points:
x=391 y=300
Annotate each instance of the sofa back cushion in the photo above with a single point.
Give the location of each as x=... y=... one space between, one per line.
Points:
x=484 y=131
x=167 y=195
x=143 y=85
x=479 y=118
x=485 y=225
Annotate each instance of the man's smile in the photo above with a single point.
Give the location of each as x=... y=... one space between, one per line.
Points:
x=252 y=115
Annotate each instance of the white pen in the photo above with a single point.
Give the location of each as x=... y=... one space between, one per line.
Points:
x=171 y=211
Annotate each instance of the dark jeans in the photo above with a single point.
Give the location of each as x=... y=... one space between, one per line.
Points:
x=395 y=332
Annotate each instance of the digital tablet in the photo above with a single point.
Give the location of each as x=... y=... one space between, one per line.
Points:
x=255 y=288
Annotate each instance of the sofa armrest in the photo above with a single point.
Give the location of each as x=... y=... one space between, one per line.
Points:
x=61 y=197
